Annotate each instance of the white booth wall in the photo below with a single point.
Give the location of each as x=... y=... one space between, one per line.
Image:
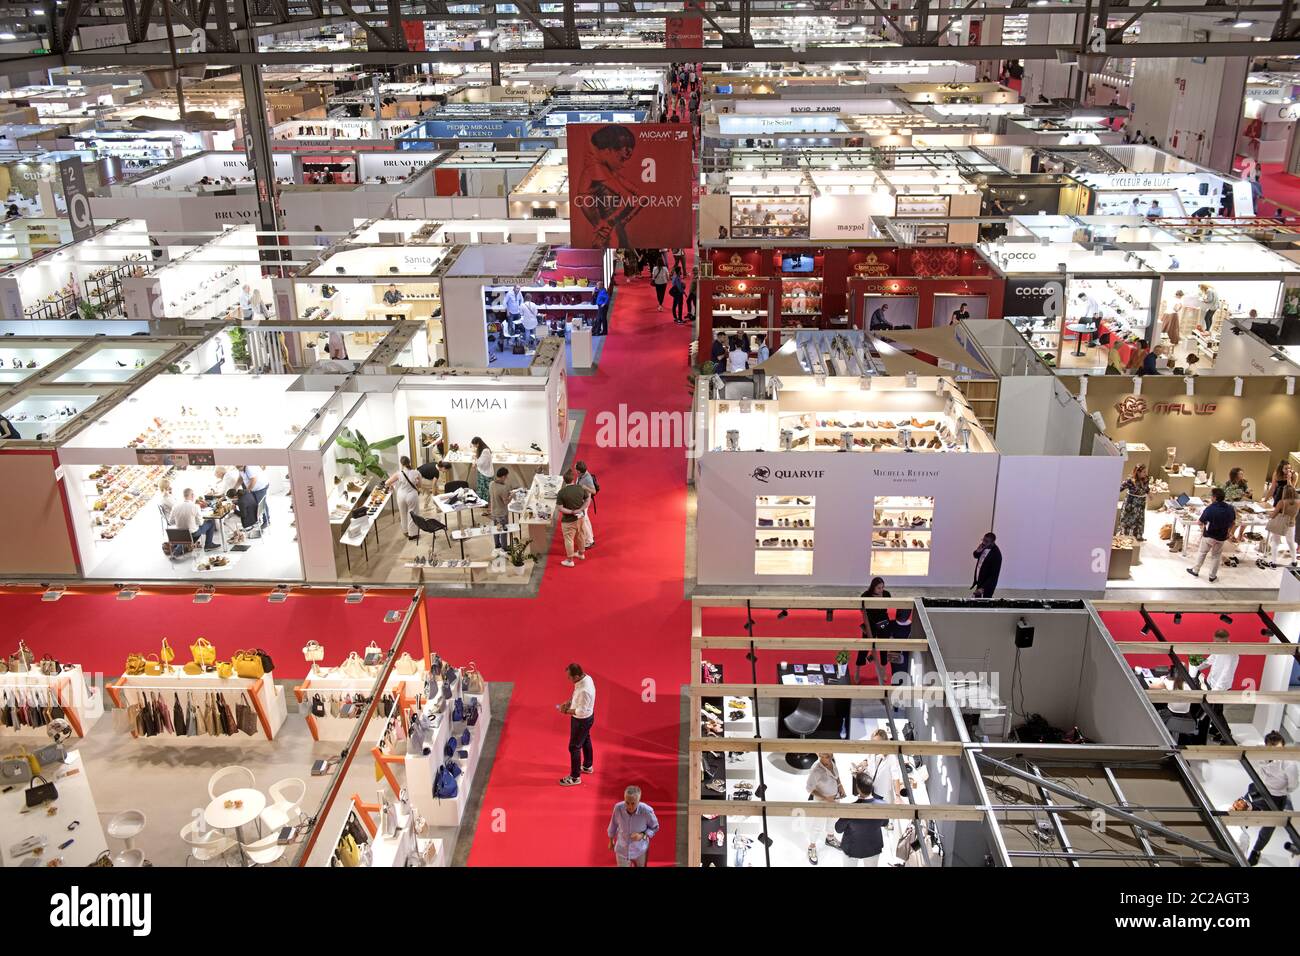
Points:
x=24 y=286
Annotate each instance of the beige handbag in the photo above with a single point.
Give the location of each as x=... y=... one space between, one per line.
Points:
x=313 y=651
x=354 y=666
x=406 y=665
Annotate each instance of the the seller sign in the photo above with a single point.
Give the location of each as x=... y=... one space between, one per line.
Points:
x=630 y=186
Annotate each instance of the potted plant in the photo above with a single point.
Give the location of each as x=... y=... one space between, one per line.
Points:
x=842 y=663
x=366 y=460
x=239 y=347
x=519 y=557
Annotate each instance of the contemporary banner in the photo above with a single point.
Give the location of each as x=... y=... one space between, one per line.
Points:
x=73 y=180
x=630 y=186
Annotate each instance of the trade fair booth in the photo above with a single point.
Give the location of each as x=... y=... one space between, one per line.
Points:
x=786 y=700
x=229 y=195
x=473 y=184
x=889 y=458
x=1190 y=432
x=1056 y=290
x=156 y=786
x=80 y=280
x=782 y=288
x=543 y=193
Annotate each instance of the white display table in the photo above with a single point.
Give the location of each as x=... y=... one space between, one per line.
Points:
x=420 y=770
x=580 y=347
x=75 y=802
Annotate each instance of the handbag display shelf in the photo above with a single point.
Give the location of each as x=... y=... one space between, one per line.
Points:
x=403 y=687
x=267 y=700
x=420 y=769
x=75 y=802
x=395 y=851
x=81 y=709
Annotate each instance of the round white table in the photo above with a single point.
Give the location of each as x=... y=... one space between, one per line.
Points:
x=1080 y=329
x=220 y=817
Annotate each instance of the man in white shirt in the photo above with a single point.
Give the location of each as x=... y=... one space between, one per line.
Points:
x=227 y=479
x=246 y=303
x=581 y=708
x=1280 y=778
x=253 y=478
x=528 y=317
x=1222 y=671
x=187 y=517
x=738 y=359
x=514 y=303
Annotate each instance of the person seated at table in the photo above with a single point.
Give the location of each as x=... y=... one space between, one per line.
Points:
x=188 y=517
x=168 y=503
x=1179 y=712
x=1149 y=360
x=244 y=503
x=226 y=479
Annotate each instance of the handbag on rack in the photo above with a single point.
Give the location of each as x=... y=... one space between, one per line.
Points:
x=203 y=652
x=224 y=669
x=247 y=664
x=40 y=793
x=50 y=754
x=49 y=666
x=192 y=668
x=465 y=737
x=353 y=666
x=406 y=665
x=458 y=710
x=444 y=784
x=18 y=768
x=267 y=664
x=317 y=705
x=178 y=716
x=313 y=651
x=25 y=655
x=348 y=851
x=246 y=719
x=374 y=654
x=135 y=664
x=471 y=713
x=153 y=668
x=191 y=720
x=386 y=705
x=166 y=654
x=474 y=683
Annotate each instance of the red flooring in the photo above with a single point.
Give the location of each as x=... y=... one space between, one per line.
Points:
x=620 y=614
x=1245 y=628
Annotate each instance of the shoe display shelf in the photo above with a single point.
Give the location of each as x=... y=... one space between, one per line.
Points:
x=82 y=705
x=421 y=769
x=901 y=529
x=786 y=544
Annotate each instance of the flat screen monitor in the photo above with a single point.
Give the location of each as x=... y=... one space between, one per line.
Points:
x=799 y=263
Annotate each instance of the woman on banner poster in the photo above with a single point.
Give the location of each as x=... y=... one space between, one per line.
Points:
x=612 y=202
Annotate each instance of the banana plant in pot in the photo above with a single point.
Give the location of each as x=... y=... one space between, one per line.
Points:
x=365 y=459
x=519 y=557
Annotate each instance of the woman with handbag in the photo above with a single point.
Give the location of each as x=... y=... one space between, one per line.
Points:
x=823 y=784
x=406 y=485
x=875 y=623
x=659 y=279
x=1281 y=527
x=1132 y=520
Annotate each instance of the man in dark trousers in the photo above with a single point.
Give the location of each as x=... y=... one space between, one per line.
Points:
x=718 y=354
x=988 y=564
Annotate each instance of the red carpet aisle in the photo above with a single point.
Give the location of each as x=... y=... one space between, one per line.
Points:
x=1280 y=187
x=620 y=614
x=98 y=631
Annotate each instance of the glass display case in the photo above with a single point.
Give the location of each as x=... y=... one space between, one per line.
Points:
x=769 y=217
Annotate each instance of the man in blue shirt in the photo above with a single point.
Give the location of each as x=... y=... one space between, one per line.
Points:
x=1217 y=521
x=631 y=827
x=601 y=325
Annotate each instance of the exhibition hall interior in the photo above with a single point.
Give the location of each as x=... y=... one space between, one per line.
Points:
x=684 y=435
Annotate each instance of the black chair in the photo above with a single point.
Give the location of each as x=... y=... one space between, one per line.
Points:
x=454 y=486
x=431 y=525
x=803 y=720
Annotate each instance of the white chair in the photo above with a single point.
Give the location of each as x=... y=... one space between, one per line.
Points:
x=126 y=826
x=264 y=851
x=128 y=858
x=240 y=777
x=286 y=799
x=205 y=845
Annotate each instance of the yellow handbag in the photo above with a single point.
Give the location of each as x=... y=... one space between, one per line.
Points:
x=203 y=652
x=153 y=667
x=135 y=664
x=349 y=852
x=247 y=664
x=224 y=669
x=167 y=654
x=192 y=669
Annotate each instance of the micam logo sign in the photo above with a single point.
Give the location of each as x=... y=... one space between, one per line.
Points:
x=76 y=909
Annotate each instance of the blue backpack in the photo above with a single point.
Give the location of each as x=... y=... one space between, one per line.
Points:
x=444 y=784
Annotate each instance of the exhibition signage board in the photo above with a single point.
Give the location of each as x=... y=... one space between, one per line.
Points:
x=73 y=179
x=1033 y=297
x=684 y=33
x=176 y=458
x=630 y=186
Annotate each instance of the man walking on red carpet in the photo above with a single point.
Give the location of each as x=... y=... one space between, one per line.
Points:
x=581 y=708
x=630 y=829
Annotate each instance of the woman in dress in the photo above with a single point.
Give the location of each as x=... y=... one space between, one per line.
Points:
x=482 y=467
x=1132 y=520
x=405 y=484
x=875 y=623
x=1281 y=527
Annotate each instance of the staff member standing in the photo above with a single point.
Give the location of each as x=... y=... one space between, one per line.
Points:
x=601 y=300
x=1281 y=778
x=253 y=478
x=514 y=303
x=659 y=279
x=581 y=708
x=392 y=296
x=988 y=565
x=405 y=483
x=482 y=466
x=528 y=319
x=823 y=784
x=1216 y=521
x=1222 y=673
x=861 y=841
x=499 y=506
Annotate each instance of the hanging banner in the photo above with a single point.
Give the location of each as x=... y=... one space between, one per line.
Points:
x=73 y=179
x=684 y=33
x=630 y=186
x=413 y=30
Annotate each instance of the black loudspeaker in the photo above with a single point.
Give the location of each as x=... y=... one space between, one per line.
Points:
x=1024 y=634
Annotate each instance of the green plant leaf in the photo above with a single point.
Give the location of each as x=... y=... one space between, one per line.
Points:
x=361 y=439
x=387 y=443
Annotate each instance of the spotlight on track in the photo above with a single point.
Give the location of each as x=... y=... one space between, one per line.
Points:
x=764 y=839
x=830 y=614
x=279 y=595
x=127 y=593
x=205 y=594
x=356 y=594
x=53 y=594
x=1225 y=618
x=783 y=613
x=1178 y=617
